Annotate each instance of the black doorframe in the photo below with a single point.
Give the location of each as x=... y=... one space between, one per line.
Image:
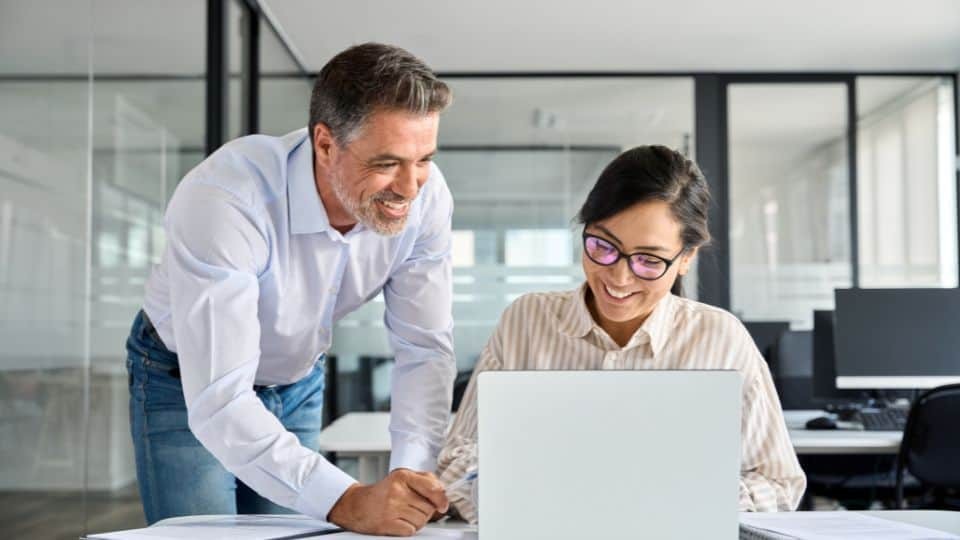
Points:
x=712 y=117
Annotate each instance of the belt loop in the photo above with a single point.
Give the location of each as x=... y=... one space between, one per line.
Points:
x=149 y=328
x=146 y=319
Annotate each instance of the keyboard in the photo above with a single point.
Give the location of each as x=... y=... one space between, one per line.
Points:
x=890 y=419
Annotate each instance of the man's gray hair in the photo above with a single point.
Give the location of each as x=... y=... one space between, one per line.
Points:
x=368 y=77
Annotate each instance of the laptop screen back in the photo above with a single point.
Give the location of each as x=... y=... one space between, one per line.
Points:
x=608 y=454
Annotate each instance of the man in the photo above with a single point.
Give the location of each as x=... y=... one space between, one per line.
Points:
x=269 y=242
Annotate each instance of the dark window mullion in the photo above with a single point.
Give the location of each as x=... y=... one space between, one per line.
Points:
x=217 y=75
x=851 y=83
x=250 y=74
x=710 y=139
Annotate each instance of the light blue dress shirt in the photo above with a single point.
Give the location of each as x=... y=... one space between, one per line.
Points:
x=250 y=285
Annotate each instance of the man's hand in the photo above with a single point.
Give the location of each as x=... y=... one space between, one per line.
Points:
x=399 y=505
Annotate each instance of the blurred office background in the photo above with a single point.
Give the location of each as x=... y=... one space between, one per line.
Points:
x=827 y=130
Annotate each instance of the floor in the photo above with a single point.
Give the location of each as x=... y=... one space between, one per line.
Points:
x=60 y=515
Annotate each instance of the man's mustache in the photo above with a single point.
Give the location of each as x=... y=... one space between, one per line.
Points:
x=390 y=197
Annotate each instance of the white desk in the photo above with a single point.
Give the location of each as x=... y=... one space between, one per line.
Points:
x=934 y=519
x=939 y=520
x=838 y=441
x=246 y=528
x=365 y=437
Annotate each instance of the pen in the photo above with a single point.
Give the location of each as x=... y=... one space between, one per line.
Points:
x=309 y=534
x=469 y=477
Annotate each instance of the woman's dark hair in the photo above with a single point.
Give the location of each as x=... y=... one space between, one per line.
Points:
x=653 y=173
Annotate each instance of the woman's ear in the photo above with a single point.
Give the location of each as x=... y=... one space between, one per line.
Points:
x=686 y=260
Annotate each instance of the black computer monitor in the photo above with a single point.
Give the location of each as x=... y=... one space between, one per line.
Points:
x=824 y=367
x=897 y=338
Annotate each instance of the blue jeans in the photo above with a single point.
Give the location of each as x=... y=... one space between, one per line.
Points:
x=177 y=475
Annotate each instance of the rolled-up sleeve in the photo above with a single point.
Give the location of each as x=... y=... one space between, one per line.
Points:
x=459 y=454
x=217 y=247
x=771 y=478
x=419 y=321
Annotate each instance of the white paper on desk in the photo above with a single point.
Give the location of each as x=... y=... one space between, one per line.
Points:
x=839 y=526
x=428 y=532
x=240 y=527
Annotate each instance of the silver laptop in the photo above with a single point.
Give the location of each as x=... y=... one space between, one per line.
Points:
x=600 y=455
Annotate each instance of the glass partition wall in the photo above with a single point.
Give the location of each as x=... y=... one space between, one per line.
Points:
x=98 y=123
x=44 y=275
x=45 y=233
x=284 y=98
x=800 y=228
x=789 y=199
x=906 y=186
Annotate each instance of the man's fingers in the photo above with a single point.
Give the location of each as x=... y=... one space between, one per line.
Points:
x=415 y=516
x=422 y=506
x=406 y=525
x=398 y=528
x=428 y=487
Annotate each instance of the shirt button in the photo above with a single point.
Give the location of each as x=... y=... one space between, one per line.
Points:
x=610 y=360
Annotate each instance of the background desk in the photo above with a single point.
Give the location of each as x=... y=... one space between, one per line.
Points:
x=364 y=436
x=838 y=441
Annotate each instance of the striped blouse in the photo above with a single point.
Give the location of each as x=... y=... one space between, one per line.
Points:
x=555 y=330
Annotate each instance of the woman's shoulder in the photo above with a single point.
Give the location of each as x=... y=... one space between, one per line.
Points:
x=719 y=331
x=697 y=313
x=541 y=305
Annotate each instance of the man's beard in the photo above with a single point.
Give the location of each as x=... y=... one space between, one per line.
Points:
x=368 y=212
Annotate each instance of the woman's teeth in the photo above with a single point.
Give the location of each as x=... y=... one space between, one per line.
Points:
x=616 y=293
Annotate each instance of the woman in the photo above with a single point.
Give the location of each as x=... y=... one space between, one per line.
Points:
x=644 y=221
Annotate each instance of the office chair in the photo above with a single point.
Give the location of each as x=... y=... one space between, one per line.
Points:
x=459 y=388
x=765 y=335
x=931 y=445
x=791 y=365
x=331 y=404
x=372 y=385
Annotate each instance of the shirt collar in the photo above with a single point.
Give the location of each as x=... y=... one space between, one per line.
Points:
x=307 y=214
x=658 y=324
x=577 y=322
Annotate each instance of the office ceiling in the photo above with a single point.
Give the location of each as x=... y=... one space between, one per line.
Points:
x=49 y=37
x=693 y=35
x=146 y=36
